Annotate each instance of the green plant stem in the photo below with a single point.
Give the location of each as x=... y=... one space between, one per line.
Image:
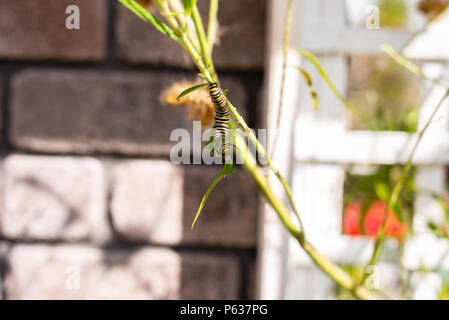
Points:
x=239 y=119
x=167 y=14
x=197 y=59
x=286 y=45
x=177 y=7
x=262 y=151
x=212 y=26
x=186 y=40
x=205 y=53
x=410 y=66
x=331 y=269
x=334 y=272
x=378 y=246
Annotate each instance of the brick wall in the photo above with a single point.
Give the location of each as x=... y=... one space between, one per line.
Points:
x=86 y=185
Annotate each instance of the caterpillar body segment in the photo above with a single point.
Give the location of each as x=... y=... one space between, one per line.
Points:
x=221 y=124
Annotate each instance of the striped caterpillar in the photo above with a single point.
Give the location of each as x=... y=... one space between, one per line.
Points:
x=221 y=124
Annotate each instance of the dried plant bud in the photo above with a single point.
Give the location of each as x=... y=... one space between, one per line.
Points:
x=147 y=4
x=431 y=8
x=197 y=103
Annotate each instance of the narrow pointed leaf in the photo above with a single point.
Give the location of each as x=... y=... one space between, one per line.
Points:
x=413 y=68
x=227 y=170
x=407 y=64
x=312 y=91
x=314 y=60
x=188 y=6
x=146 y=16
x=190 y=90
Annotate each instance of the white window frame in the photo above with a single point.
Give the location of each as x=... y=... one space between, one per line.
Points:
x=318 y=146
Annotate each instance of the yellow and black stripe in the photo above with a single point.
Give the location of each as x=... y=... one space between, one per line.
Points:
x=221 y=125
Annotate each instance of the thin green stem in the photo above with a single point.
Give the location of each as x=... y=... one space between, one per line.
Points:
x=166 y=13
x=197 y=59
x=410 y=66
x=212 y=26
x=185 y=36
x=262 y=151
x=335 y=272
x=286 y=45
x=177 y=7
x=199 y=27
x=378 y=246
x=332 y=270
x=241 y=121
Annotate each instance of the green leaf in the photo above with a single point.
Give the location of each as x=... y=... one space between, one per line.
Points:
x=382 y=191
x=410 y=66
x=146 y=16
x=210 y=142
x=313 y=93
x=314 y=60
x=188 y=6
x=227 y=170
x=397 y=210
x=173 y=14
x=190 y=90
x=442 y=203
x=436 y=230
x=432 y=225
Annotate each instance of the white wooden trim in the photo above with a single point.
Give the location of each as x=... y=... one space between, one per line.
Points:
x=273 y=238
x=316 y=145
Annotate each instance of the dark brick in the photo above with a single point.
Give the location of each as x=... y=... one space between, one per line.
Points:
x=2 y=99
x=155 y=201
x=242 y=40
x=36 y=29
x=251 y=271
x=138 y=42
x=230 y=214
x=207 y=276
x=241 y=43
x=3 y=267
x=73 y=111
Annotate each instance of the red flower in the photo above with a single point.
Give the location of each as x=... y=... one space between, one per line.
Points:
x=351 y=218
x=373 y=220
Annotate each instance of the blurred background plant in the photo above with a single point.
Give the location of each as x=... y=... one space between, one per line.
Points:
x=376 y=204
x=365 y=202
x=387 y=97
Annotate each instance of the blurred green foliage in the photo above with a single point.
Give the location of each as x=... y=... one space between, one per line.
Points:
x=393 y=13
x=379 y=186
x=386 y=95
